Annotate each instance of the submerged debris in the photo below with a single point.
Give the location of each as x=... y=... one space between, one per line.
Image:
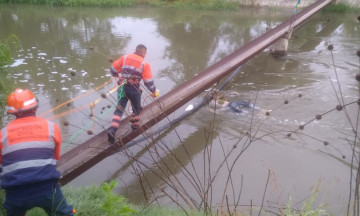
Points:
x=267 y=113
x=330 y=47
x=90 y=132
x=301 y=127
x=111 y=60
x=300 y=95
x=109 y=106
x=65 y=123
x=318 y=117
x=73 y=73
x=344 y=157
x=358 y=53
x=326 y=143
x=103 y=95
x=91 y=48
x=288 y=135
x=328 y=19
x=57 y=100
x=103 y=108
x=286 y=102
x=68 y=104
x=359 y=17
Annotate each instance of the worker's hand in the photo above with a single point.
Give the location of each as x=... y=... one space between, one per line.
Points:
x=155 y=94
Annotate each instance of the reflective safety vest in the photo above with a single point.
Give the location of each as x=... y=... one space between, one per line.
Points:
x=30 y=148
x=132 y=65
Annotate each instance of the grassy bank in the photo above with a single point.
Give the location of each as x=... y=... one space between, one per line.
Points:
x=91 y=201
x=6 y=47
x=193 y=4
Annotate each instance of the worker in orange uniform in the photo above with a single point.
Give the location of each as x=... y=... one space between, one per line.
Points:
x=131 y=68
x=30 y=149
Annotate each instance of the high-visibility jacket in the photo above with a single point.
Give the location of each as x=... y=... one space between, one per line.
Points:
x=30 y=148
x=134 y=64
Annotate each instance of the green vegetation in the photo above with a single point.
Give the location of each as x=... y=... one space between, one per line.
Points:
x=341 y=8
x=198 y=4
x=12 y=42
x=193 y=4
x=95 y=200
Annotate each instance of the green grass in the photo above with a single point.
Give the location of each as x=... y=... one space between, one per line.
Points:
x=190 y=4
x=89 y=201
x=341 y=8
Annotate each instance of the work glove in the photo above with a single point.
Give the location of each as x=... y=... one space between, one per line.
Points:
x=155 y=94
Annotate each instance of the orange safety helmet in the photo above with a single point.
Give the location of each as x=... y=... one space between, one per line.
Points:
x=21 y=100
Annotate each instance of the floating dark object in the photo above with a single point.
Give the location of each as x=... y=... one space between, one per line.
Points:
x=300 y=95
x=286 y=102
x=330 y=47
x=339 y=107
x=73 y=73
x=344 y=157
x=57 y=100
x=358 y=101
x=91 y=48
x=68 y=104
x=288 y=135
x=358 y=53
x=109 y=106
x=103 y=95
x=103 y=108
x=90 y=132
x=357 y=77
x=359 y=17
x=301 y=127
x=328 y=19
x=91 y=115
x=65 y=123
x=101 y=112
x=318 y=117
x=268 y=113
x=326 y=143
x=111 y=60
x=234 y=146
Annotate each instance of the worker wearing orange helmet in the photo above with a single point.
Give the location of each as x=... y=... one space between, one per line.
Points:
x=131 y=68
x=30 y=149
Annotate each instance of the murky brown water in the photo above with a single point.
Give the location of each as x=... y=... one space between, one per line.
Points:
x=180 y=45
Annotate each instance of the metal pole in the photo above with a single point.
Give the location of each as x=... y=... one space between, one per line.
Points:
x=83 y=157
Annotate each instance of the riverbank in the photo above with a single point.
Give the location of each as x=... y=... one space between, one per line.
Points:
x=348 y=5
x=91 y=201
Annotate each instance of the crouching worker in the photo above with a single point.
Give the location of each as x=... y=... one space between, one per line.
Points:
x=30 y=149
x=131 y=69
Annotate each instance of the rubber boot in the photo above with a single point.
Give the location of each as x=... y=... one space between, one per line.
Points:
x=111 y=135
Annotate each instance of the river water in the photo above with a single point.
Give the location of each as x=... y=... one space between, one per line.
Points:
x=181 y=43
